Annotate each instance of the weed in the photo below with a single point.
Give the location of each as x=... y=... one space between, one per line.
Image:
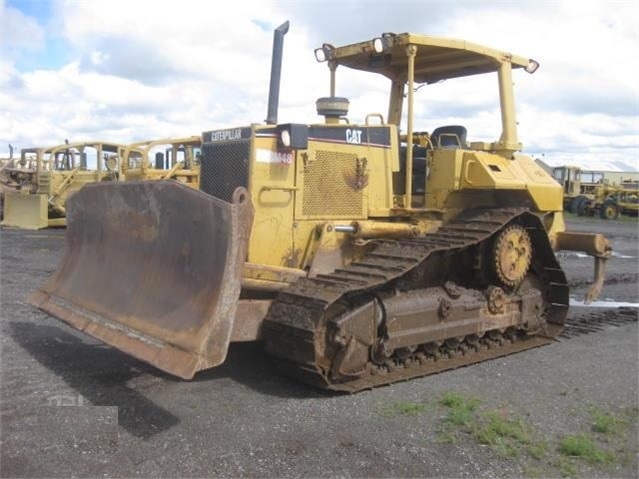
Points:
x=460 y=417
x=538 y=449
x=446 y=437
x=532 y=472
x=460 y=409
x=582 y=445
x=506 y=449
x=451 y=399
x=566 y=467
x=504 y=434
x=498 y=428
x=607 y=424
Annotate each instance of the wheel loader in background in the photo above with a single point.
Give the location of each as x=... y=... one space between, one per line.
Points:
x=360 y=253
x=587 y=198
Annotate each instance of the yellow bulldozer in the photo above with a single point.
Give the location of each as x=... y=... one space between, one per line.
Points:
x=40 y=183
x=359 y=253
x=46 y=177
x=168 y=158
x=7 y=183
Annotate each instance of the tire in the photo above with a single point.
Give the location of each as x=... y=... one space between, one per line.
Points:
x=584 y=208
x=574 y=203
x=580 y=205
x=609 y=210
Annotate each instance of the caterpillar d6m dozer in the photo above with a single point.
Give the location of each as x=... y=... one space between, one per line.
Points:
x=361 y=254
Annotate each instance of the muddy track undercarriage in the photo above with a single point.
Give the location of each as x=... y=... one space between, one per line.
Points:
x=485 y=285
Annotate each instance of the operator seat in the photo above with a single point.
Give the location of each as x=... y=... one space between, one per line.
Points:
x=449 y=137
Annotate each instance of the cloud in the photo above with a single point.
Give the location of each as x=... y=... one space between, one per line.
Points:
x=143 y=69
x=19 y=33
x=349 y=21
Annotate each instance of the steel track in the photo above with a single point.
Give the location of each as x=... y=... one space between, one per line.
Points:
x=296 y=324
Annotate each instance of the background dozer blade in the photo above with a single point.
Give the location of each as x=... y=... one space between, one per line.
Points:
x=154 y=269
x=26 y=211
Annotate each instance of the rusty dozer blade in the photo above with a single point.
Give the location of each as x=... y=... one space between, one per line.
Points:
x=154 y=269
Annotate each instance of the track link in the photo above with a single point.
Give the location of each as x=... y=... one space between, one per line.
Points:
x=296 y=325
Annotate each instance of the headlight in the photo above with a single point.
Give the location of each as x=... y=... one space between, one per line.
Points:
x=292 y=136
x=532 y=66
x=285 y=138
x=324 y=53
x=378 y=45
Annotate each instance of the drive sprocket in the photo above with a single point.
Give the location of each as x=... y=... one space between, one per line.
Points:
x=512 y=255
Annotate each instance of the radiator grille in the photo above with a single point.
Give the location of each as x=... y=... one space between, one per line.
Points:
x=328 y=186
x=225 y=166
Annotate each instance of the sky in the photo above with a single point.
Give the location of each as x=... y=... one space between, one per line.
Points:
x=135 y=70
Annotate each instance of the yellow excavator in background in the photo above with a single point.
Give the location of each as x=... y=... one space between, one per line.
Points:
x=360 y=253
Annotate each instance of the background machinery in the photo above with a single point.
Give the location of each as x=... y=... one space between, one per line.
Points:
x=589 y=198
x=360 y=253
x=41 y=181
x=7 y=183
x=169 y=158
x=45 y=177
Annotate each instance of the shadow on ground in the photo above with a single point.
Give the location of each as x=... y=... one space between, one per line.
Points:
x=100 y=374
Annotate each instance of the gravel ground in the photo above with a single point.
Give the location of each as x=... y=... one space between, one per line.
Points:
x=243 y=419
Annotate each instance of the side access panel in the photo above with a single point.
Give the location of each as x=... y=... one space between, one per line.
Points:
x=154 y=269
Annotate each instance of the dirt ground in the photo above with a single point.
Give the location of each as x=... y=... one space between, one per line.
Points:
x=567 y=409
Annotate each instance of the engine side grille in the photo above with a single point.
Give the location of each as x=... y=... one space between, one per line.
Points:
x=225 y=166
x=331 y=186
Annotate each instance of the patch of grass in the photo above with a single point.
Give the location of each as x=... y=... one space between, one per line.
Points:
x=566 y=467
x=451 y=399
x=506 y=449
x=460 y=408
x=506 y=435
x=532 y=472
x=460 y=417
x=509 y=436
x=496 y=429
x=583 y=446
x=538 y=449
x=607 y=424
x=446 y=437
x=403 y=408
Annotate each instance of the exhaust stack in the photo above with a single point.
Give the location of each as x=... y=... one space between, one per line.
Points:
x=276 y=71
